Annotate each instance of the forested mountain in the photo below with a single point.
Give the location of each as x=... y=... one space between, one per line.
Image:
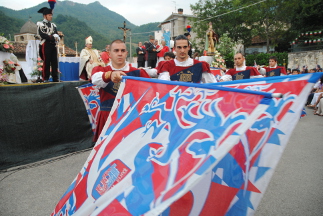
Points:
x=9 y=26
x=76 y=31
x=141 y=33
x=78 y=21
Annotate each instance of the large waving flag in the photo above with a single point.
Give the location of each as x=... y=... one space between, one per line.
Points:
x=164 y=139
x=91 y=98
x=158 y=142
x=238 y=182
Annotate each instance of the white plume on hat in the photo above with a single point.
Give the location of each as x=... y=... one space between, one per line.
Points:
x=88 y=40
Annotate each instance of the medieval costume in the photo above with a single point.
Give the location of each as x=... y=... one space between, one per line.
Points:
x=275 y=71
x=190 y=70
x=244 y=72
x=108 y=90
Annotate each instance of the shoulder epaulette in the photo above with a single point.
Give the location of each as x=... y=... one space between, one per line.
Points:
x=40 y=24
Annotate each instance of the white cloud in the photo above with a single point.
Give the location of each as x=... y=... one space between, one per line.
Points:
x=136 y=11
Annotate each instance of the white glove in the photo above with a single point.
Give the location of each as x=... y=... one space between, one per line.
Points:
x=56 y=37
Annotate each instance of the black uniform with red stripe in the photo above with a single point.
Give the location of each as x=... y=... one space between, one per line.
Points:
x=48 y=49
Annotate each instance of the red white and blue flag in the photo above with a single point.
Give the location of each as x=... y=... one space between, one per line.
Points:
x=91 y=98
x=238 y=182
x=163 y=140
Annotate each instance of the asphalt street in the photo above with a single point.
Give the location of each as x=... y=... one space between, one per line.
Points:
x=296 y=187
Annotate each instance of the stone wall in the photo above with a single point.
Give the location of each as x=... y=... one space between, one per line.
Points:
x=307 y=58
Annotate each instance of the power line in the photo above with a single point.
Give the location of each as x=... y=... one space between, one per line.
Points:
x=234 y=10
x=143 y=32
x=216 y=15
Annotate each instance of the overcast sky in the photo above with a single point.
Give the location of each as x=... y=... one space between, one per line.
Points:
x=136 y=11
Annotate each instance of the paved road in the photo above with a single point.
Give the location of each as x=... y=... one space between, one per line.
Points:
x=296 y=187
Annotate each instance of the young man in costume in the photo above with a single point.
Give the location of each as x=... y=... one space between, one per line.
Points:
x=241 y=71
x=273 y=69
x=183 y=68
x=47 y=47
x=90 y=58
x=108 y=79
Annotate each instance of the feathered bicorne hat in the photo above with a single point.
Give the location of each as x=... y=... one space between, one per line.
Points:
x=46 y=10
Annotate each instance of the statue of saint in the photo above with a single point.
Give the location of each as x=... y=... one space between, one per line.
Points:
x=211 y=40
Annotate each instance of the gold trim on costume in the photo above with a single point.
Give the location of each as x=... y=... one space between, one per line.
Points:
x=239 y=76
x=185 y=77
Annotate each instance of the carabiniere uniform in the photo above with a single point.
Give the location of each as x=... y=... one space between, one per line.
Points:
x=47 y=47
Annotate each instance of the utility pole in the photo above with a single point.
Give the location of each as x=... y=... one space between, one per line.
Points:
x=130 y=59
x=175 y=5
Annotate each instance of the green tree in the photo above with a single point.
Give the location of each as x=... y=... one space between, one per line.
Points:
x=244 y=19
x=9 y=26
x=225 y=47
x=218 y=13
x=306 y=16
x=76 y=31
x=269 y=21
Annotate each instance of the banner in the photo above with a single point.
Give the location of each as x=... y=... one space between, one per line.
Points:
x=160 y=140
x=91 y=98
x=238 y=182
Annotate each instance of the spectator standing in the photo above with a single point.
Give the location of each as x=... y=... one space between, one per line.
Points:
x=105 y=55
x=152 y=52
x=140 y=56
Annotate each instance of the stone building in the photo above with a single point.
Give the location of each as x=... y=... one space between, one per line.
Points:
x=27 y=32
x=176 y=24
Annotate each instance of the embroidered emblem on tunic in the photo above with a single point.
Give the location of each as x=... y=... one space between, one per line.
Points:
x=116 y=87
x=272 y=73
x=185 y=77
x=239 y=76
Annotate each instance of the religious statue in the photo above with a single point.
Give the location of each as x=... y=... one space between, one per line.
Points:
x=211 y=40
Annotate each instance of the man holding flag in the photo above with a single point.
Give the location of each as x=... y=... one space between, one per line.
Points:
x=183 y=68
x=241 y=71
x=273 y=69
x=108 y=78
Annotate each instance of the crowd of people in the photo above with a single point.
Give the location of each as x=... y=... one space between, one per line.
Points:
x=105 y=69
x=315 y=98
x=173 y=65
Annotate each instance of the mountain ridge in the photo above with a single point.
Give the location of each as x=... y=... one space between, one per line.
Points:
x=96 y=16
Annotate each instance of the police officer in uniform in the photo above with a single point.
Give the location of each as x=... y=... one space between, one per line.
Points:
x=47 y=47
